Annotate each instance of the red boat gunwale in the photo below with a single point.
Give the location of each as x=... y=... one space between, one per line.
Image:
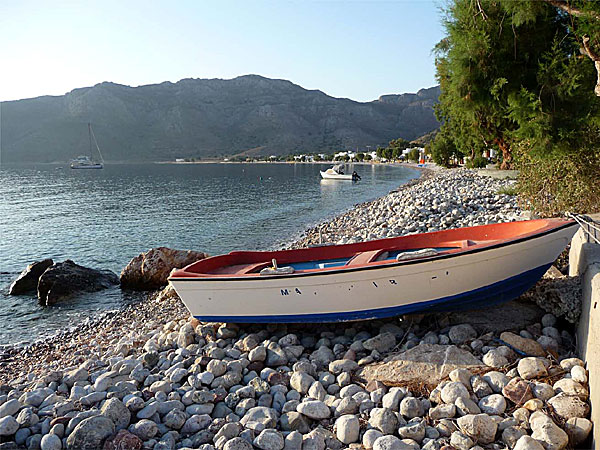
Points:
x=246 y=265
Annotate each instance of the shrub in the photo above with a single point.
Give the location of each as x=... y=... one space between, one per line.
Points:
x=479 y=162
x=567 y=181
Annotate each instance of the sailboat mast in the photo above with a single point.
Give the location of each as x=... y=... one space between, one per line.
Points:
x=96 y=143
x=90 y=136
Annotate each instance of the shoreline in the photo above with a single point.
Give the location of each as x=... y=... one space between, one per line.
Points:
x=169 y=381
x=16 y=347
x=308 y=236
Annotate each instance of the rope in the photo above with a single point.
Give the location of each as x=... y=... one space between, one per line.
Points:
x=586 y=222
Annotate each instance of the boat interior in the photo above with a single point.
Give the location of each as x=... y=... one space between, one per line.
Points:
x=364 y=254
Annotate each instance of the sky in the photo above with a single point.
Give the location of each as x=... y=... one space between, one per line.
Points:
x=352 y=49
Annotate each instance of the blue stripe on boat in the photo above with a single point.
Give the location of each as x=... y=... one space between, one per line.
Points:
x=501 y=291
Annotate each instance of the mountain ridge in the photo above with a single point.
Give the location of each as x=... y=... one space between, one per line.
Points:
x=205 y=118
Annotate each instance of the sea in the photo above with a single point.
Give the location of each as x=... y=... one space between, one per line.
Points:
x=103 y=218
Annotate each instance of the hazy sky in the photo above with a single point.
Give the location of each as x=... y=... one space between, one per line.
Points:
x=354 y=49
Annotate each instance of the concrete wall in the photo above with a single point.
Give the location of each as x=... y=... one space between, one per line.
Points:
x=584 y=260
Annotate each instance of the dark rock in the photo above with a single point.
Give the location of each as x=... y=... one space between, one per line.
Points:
x=64 y=279
x=150 y=270
x=123 y=440
x=518 y=391
x=27 y=281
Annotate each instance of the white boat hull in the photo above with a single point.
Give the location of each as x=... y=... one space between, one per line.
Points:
x=89 y=166
x=470 y=279
x=336 y=176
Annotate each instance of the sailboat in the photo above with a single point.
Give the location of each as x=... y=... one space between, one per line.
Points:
x=88 y=162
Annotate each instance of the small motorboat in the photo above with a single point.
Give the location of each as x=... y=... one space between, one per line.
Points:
x=444 y=270
x=337 y=173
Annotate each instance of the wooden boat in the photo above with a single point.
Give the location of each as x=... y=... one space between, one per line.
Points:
x=444 y=270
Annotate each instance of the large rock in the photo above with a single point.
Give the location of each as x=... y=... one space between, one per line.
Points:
x=8 y=426
x=578 y=430
x=528 y=346
x=90 y=433
x=559 y=296
x=64 y=279
x=150 y=270
x=115 y=410
x=480 y=427
x=267 y=416
x=428 y=362
x=551 y=436
x=27 y=281
x=513 y=315
x=314 y=409
x=347 y=429
x=568 y=406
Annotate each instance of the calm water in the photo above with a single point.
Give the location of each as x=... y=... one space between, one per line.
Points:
x=103 y=218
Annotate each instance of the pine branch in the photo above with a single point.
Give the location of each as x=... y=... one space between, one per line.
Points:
x=565 y=6
x=588 y=50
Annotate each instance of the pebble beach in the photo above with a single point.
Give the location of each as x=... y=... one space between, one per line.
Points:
x=149 y=377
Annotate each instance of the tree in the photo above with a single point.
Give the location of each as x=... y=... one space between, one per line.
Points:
x=523 y=77
x=360 y=156
x=586 y=26
x=414 y=154
x=444 y=151
x=509 y=70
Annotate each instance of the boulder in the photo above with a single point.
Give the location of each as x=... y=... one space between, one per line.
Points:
x=27 y=281
x=90 y=433
x=64 y=279
x=430 y=362
x=150 y=270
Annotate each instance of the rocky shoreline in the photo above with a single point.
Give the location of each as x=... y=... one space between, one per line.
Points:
x=149 y=377
x=438 y=200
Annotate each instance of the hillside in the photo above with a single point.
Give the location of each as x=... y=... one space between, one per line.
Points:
x=206 y=118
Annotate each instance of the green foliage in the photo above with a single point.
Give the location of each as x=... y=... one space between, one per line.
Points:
x=479 y=162
x=509 y=69
x=517 y=76
x=394 y=149
x=508 y=190
x=413 y=155
x=444 y=151
x=368 y=157
x=360 y=156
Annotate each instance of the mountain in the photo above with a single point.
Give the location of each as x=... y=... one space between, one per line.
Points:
x=206 y=118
